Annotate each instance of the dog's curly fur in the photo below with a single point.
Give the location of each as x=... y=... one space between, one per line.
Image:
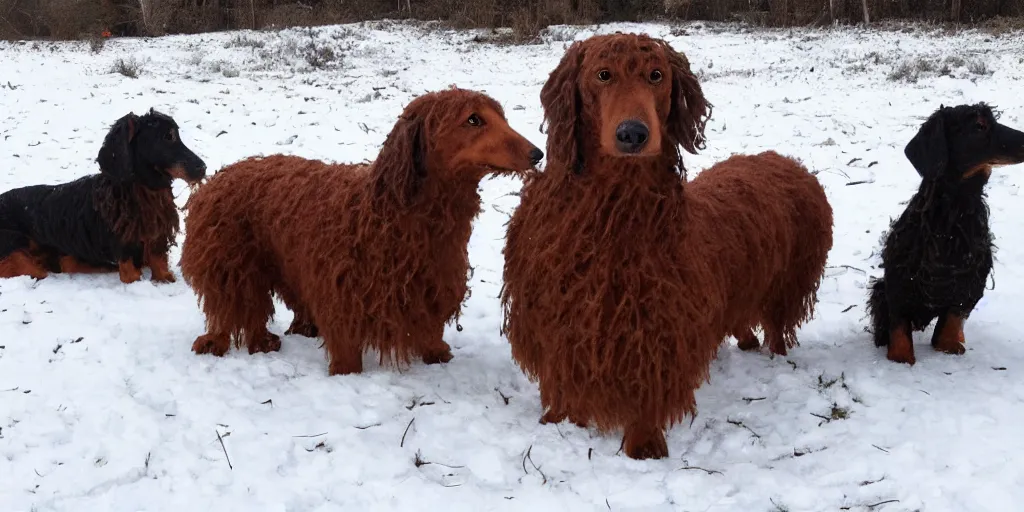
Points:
x=122 y=219
x=368 y=256
x=937 y=255
x=621 y=279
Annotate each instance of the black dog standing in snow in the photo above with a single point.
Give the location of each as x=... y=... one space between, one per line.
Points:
x=938 y=254
x=122 y=219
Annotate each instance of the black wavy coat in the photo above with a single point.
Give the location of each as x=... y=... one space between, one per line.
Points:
x=937 y=256
x=122 y=219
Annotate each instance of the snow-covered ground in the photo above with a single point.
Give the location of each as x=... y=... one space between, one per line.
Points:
x=104 y=407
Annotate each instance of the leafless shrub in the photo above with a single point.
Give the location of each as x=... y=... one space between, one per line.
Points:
x=96 y=44
x=127 y=67
x=912 y=70
x=244 y=41
x=223 y=67
x=318 y=55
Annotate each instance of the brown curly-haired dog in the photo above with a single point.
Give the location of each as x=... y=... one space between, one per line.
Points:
x=621 y=279
x=365 y=255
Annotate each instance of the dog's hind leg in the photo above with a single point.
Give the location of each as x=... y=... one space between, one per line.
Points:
x=887 y=328
x=557 y=416
x=344 y=355
x=782 y=314
x=19 y=256
x=878 y=310
x=435 y=350
x=901 y=344
x=156 y=259
x=302 y=323
x=240 y=314
x=255 y=293
x=236 y=298
x=949 y=334
x=746 y=339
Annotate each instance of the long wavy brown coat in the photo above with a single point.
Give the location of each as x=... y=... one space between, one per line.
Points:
x=367 y=256
x=621 y=279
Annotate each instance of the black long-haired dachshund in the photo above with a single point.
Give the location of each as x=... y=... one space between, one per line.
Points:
x=122 y=219
x=938 y=254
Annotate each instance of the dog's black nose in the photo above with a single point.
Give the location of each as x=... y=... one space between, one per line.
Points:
x=198 y=170
x=631 y=136
x=535 y=156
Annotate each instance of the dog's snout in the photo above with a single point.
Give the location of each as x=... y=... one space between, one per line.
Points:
x=536 y=155
x=198 y=169
x=631 y=136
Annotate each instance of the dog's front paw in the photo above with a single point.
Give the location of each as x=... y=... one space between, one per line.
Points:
x=307 y=329
x=901 y=356
x=268 y=342
x=956 y=349
x=164 y=278
x=552 y=417
x=211 y=344
x=128 y=272
x=644 y=442
x=438 y=353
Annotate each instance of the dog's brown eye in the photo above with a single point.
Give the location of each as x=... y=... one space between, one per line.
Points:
x=655 y=76
x=474 y=120
x=980 y=126
x=169 y=136
x=604 y=75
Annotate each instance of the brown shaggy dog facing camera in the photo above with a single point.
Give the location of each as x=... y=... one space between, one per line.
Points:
x=622 y=279
x=367 y=256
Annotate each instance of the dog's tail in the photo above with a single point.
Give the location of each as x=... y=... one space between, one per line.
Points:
x=878 y=310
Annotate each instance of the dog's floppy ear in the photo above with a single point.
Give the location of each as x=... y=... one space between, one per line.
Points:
x=115 y=156
x=400 y=167
x=927 y=151
x=563 y=105
x=690 y=109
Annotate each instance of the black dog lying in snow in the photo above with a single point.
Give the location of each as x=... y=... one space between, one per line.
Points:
x=122 y=219
x=938 y=254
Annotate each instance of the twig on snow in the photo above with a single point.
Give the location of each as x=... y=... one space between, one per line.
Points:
x=503 y=397
x=741 y=425
x=526 y=457
x=402 y=444
x=869 y=482
x=221 y=439
x=420 y=461
x=880 y=503
x=880 y=448
x=313 y=435
x=708 y=471
x=826 y=418
x=416 y=403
